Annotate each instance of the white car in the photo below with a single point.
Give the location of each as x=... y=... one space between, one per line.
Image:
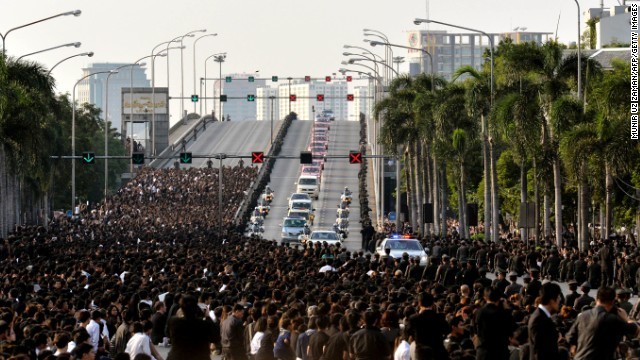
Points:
x=400 y=244
x=320 y=236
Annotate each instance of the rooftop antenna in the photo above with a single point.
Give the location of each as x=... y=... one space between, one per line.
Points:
x=558 y=24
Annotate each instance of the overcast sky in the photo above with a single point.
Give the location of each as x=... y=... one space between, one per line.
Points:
x=277 y=37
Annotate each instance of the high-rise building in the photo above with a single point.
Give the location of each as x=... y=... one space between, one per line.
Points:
x=237 y=107
x=361 y=103
x=267 y=104
x=92 y=89
x=450 y=51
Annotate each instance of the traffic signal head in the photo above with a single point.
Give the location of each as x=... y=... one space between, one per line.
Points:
x=252 y=79
x=349 y=78
x=292 y=97
x=307 y=78
x=274 y=78
x=137 y=158
x=349 y=97
x=194 y=98
x=257 y=157
x=185 y=158
x=306 y=157
x=88 y=158
x=251 y=97
x=227 y=79
x=223 y=98
x=355 y=157
x=327 y=78
x=320 y=97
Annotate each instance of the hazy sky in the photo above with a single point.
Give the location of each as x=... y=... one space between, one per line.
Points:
x=277 y=37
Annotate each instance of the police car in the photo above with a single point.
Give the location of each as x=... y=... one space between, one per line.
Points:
x=400 y=244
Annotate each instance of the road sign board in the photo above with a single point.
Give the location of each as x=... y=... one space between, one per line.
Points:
x=186 y=158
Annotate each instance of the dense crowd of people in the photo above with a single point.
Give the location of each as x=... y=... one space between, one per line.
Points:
x=149 y=268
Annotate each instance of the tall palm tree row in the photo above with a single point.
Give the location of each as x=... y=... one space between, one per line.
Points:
x=34 y=125
x=568 y=149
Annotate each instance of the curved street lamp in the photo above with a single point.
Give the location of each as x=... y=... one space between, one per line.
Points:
x=205 y=79
x=74 y=13
x=89 y=54
x=74 y=44
x=182 y=68
x=424 y=51
x=194 y=65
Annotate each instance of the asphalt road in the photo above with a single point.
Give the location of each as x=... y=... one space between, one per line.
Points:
x=231 y=138
x=284 y=176
x=338 y=173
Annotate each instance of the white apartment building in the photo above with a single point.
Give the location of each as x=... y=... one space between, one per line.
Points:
x=361 y=103
x=92 y=90
x=453 y=50
x=266 y=107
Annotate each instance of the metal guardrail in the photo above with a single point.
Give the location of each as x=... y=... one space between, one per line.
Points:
x=187 y=137
x=265 y=170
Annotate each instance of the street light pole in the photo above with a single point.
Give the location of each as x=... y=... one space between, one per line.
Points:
x=290 y=78
x=3 y=37
x=75 y=44
x=194 y=67
x=579 y=55
x=73 y=138
x=106 y=130
x=374 y=43
x=220 y=59
x=89 y=54
x=182 y=70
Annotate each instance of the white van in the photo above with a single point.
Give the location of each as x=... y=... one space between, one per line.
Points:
x=309 y=184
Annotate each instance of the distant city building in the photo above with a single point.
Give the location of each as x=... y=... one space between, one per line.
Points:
x=335 y=98
x=612 y=26
x=92 y=89
x=450 y=51
x=265 y=105
x=237 y=107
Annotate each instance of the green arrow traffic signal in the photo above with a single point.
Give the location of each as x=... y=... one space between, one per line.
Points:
x=274 y=78
x=88 y=158
x=227 y=79
x=252 y=79
x=194 y=98
x=223 y=98
x=251 y=97
x=137 y=158
x=185 y=158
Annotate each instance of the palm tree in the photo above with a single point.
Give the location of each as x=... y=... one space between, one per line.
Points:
x=25 y=121
x=478 y=103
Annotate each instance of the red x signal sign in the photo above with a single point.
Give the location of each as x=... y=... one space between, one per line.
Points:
x=327 y=78
x=292 y=97
x=307 y=78
x=320 y=97
x=349 y=97
x=349 y=78
x=355 y=157
x=257 y=157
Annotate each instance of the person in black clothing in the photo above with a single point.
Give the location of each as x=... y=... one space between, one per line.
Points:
x=570 y=299
x=494 y=326
x=233 y=335
x=429 y=328
x=594 y=272
x=585 y=299
x=319 y=339
x=500 y=282
x=543 y=335
x=597 y=332
x=369 y=343
x=270 y=336
x=532 y=290
x=367 y=234
x=191 y=336
x=158 y=320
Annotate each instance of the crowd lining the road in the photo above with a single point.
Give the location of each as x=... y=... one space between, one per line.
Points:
x=149 y=264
